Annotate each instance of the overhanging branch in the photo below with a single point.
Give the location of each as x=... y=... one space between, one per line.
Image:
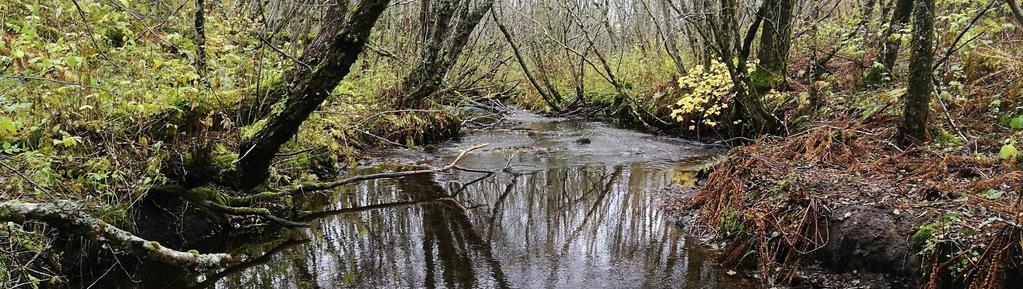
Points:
x=69 y=215
x=312 y=187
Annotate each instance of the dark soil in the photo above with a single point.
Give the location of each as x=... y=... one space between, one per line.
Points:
x=873 y=240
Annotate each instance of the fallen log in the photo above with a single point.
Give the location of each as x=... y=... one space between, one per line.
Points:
x=69 y=216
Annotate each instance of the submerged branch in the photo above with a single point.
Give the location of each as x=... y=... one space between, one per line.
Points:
x=312 y=187
x=68 y=215
x=211 y=281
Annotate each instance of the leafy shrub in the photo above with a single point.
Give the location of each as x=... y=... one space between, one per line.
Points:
x=703 y=95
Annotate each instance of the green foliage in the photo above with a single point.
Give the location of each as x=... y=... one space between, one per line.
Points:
x=927 y=237
x=993 y=194
x=732 y=223
x=1016 y=122
x=89 y=105
x=946 y=138
x=1008 y=151
x=876 y=75
x=23 y=259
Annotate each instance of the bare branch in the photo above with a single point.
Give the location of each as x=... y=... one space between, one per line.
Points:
x=312 y=187
x=69 y=215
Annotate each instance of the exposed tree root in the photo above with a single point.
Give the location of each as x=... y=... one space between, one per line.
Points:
x=223 y=203
x=70 y=216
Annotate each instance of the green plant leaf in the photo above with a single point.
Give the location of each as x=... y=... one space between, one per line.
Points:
x=1008 y=151
x=993 y=194
x=1016 y=122
x=7 y=127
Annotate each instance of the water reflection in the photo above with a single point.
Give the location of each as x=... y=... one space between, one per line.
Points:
x=595 y=227
x=559 y=214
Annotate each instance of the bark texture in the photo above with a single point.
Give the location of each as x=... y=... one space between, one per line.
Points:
x=448 y=24
x=749 y=115
x=1017 y=13
x=775 y=40
x=890 y=48
x=918 y=95
x=330 y=58
x=70 y=217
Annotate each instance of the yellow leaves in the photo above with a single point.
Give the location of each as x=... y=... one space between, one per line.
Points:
x=702 y=94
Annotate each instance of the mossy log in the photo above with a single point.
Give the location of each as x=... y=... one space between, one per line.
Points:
x=70 y=217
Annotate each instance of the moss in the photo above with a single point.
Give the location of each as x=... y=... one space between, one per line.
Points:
x=763 y=80
x=250 y=131
x=924 y=239
x=732 y=223
x=205 y=193
x=922 y=235
x=223 y=159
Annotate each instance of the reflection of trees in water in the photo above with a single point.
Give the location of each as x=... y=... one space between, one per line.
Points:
x=582 y=222
x=450 y=238
x=555 y=227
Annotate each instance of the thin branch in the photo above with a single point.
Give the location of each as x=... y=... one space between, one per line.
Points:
x=285 y=54
x=313 y=187
x=263 y=259
x=26 y=178
x=954 y=47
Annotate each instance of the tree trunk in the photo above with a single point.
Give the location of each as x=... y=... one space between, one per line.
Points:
x=450 y=24
x=920 y=86
x=553 y=103
x=1015 y=10
x=890 y=48
x=774 y=44
x=748 y=109
x=331 y=56
x=200 y=40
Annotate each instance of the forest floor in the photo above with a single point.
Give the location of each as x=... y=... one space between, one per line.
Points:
x=840 y=204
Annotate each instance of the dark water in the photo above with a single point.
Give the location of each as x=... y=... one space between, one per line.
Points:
x=561 y=213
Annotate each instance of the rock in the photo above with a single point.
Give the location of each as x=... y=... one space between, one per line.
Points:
x=583 y=141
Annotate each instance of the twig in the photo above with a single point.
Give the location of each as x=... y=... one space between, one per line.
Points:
x=44 y=189
x=263 y=259
x=92 y=35
x=312 y=187
x=953 y=48
x=275 y=49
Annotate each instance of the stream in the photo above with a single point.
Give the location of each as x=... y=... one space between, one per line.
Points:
x=574 y=204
